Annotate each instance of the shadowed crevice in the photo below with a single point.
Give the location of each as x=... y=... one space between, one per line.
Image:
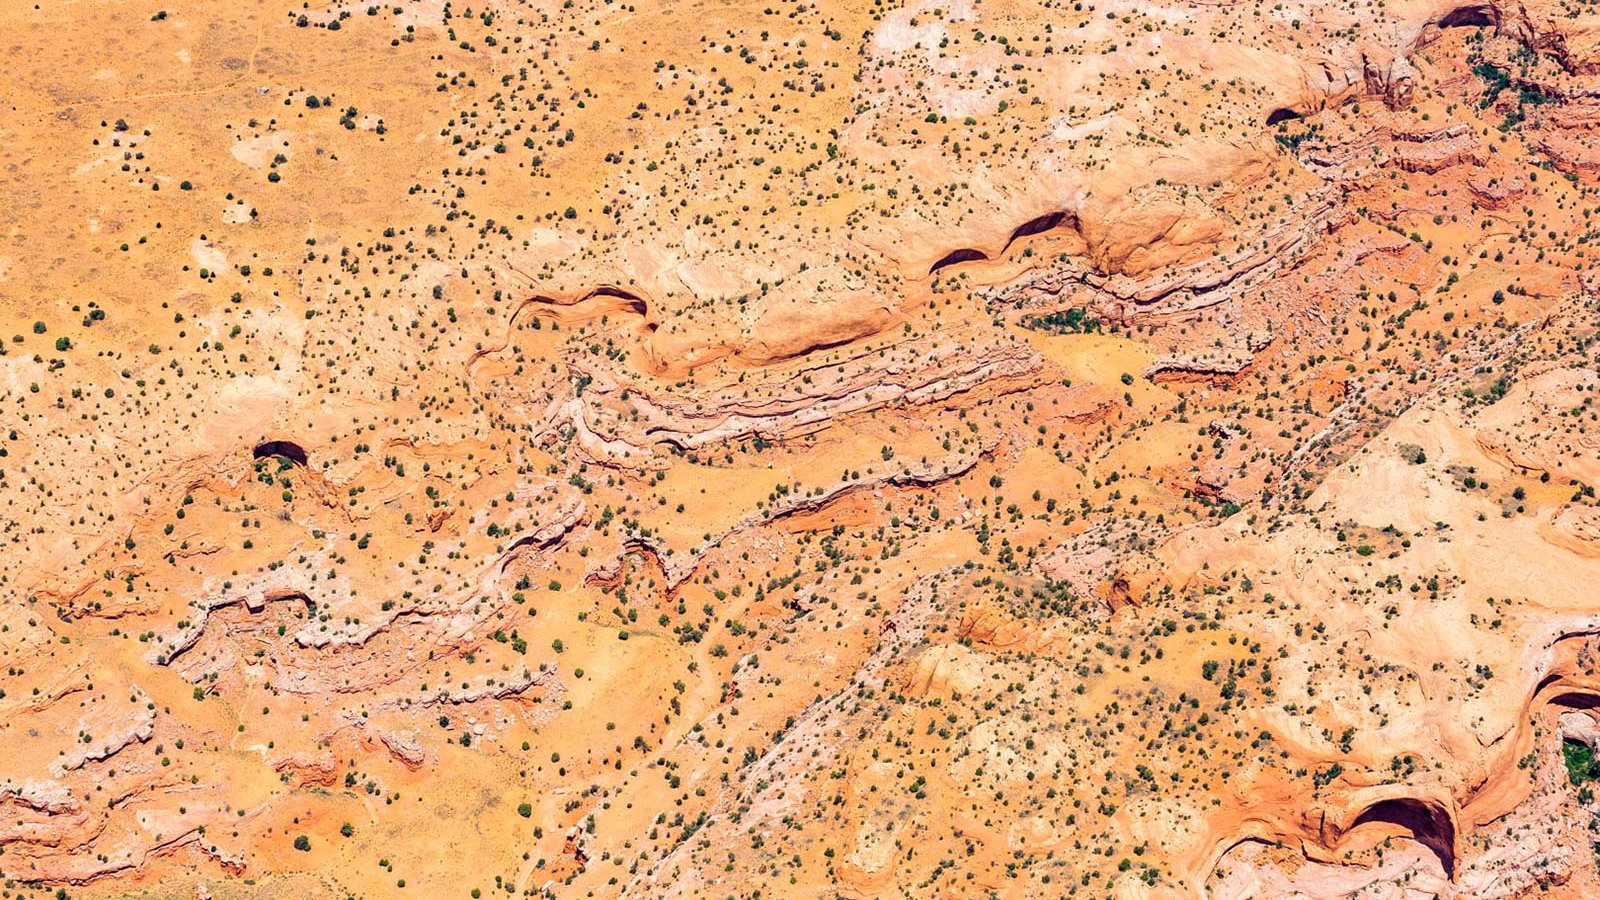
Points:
x=1428 y=823
x=965 y=254
x=1283 y=114
x=1471 y=16
x=286 y=449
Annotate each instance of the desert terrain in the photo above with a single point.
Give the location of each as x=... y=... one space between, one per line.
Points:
x=721 y=449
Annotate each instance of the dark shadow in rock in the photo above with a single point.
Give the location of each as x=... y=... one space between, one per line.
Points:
x=287 y=449
x=1429 y=824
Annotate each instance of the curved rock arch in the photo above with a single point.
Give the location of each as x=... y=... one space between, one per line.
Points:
x=1428 y=822
x=289 y=450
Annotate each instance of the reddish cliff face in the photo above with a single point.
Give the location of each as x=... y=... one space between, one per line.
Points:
x=1003 y=448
